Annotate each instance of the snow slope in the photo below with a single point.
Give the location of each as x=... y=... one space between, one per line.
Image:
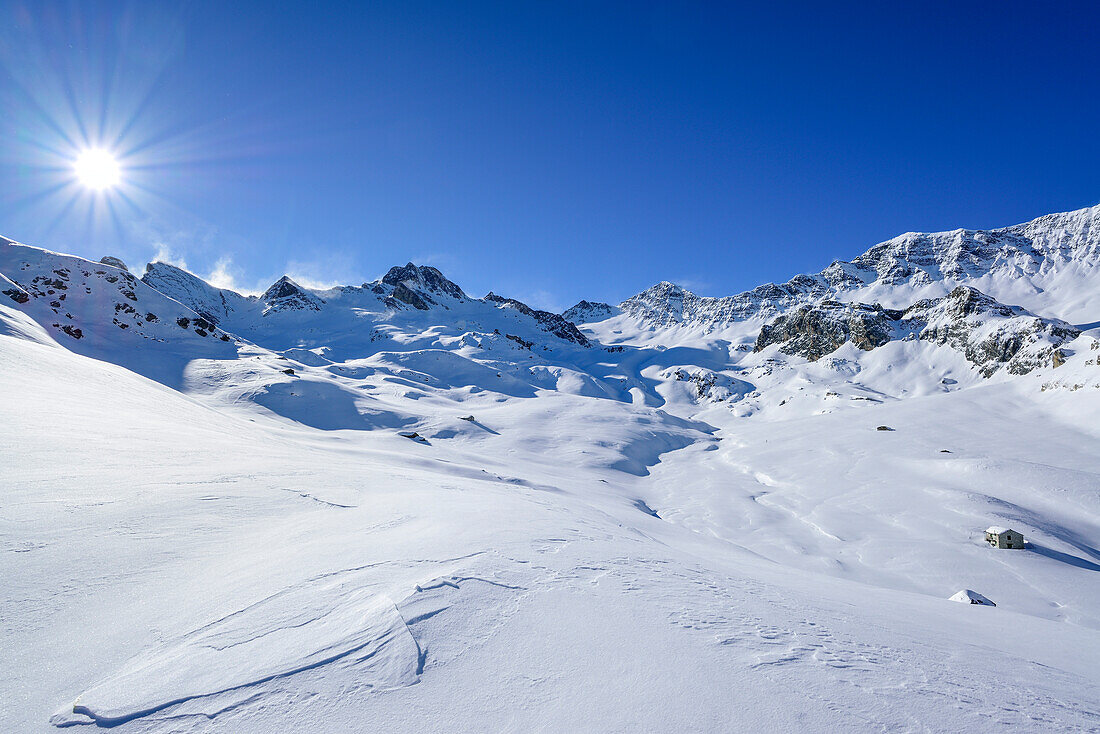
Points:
x=635 y=525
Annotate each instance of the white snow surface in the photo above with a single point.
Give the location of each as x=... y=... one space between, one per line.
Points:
x=661 y=530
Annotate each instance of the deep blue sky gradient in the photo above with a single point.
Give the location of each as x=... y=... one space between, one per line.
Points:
x=548 y=151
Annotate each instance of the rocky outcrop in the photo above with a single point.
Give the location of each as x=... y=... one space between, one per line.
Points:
x=114 y=262
x=403 y=293
x=815 y=331
x=990 y=334
x=422 y=278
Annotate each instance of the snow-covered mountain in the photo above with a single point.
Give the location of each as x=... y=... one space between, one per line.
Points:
x=989 y=334
x=347 y=509
x=1048 y=265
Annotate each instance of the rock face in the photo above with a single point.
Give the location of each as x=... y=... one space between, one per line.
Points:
x=551 y=322
x=114 y=262
x=405 y=294
x=422 y=278
x=990 y=334
x=286 y=295
x=589 y=311
x=814 y=331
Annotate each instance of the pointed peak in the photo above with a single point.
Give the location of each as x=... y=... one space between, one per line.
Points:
x=286 y=294
x=422 y=278
x=589 y=311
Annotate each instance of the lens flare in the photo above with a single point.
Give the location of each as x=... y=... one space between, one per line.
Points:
x=97 y=169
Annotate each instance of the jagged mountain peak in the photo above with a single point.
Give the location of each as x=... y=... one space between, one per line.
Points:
x=422 y=278
x=589 y=311
x=284 y=294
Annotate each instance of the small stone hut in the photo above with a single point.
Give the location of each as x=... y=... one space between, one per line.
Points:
x=999 y=537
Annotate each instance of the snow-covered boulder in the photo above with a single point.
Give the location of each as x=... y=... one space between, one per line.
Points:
x=969 y=596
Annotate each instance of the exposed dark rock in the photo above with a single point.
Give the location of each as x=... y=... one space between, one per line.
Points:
x=72 y=331
x=403 y=293
x=520 y=340
x=18 y=295
x=285 y=294
x=114 y=262
x=422 y=278
x=990 y=334
x=814 y=331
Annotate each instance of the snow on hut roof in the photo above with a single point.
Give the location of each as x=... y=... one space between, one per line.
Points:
x=997 y=530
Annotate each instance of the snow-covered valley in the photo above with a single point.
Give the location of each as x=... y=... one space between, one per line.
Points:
x=395 y=506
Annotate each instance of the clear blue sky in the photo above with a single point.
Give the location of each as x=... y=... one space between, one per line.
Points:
x=549 y=151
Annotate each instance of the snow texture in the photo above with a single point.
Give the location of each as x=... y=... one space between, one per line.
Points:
x=394 y=506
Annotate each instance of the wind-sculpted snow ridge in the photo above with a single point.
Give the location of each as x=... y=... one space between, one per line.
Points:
x=1047 y=265
x=330 y=622
x=991 y=335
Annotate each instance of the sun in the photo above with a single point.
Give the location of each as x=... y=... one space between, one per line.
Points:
x=97 y=169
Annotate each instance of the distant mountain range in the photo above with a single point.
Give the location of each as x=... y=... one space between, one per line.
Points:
x=1007 y=298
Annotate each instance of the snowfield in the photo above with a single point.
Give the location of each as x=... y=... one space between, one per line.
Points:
x=396 y=507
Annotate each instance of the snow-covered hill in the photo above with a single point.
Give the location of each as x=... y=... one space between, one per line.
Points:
x=395 y=506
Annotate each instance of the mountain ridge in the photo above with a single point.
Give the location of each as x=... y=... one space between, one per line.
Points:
x=909 y=266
